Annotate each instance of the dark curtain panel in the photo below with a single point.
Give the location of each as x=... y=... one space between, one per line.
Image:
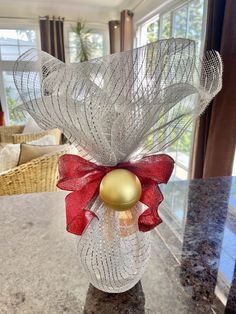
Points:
x=1 y=115
x=215 y=133
x=52 y=37
x=126 y=30
x=114 y=35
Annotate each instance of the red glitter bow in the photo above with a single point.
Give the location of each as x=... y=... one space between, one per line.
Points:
x=83 y=178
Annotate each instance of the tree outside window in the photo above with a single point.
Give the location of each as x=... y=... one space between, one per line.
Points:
x=94 y=41
x=184 y=21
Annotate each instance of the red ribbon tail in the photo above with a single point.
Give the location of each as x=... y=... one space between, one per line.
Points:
x=148 y=220
x=151 y=197
x=77 y=218
x=80 y=222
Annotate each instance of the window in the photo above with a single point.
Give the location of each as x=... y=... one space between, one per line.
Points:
x=186 y=21
x=165 y=29
x=96 y=40
x=96 y=44
x=13 y=43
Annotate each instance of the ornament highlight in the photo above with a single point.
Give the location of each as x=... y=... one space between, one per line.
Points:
x=127 y=222
x=120 y=189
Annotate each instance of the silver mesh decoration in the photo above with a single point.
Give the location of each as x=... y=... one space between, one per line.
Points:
x=108 y=107
x=112 y=251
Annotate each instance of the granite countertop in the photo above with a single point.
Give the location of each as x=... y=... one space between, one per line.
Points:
x=192 y=268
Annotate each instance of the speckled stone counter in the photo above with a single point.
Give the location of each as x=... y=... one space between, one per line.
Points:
x=192 y=268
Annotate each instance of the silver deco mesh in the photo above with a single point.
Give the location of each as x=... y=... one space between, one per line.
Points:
x=112 y=251
x=108 y=107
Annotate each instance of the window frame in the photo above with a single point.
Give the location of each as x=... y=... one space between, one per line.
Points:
x=7 y=65
x=162 y=10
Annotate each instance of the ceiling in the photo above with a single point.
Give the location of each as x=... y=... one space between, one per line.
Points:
x=94 y=3
x=90 y=10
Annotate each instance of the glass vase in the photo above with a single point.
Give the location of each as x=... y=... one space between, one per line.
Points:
x=112 y=250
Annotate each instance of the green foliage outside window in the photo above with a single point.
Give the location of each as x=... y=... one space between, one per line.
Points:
x=180 y=20
x=166 y=23
x=84 y=44
x=15 y=116
x=186 y=22
x=152 y=32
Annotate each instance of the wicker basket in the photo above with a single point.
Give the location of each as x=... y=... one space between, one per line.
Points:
x=14 y=135
x=24 y=137
x=6 y=132
x=38 y=175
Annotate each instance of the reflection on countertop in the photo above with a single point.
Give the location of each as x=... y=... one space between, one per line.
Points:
x=202 y=215
x=103 y=303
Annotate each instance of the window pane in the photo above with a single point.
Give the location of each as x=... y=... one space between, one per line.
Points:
x=72 y=39
x=25 y=48
x=175 y=200
x=166 y=23
x=180 y=151
x=73 y=47
x=153 y=31
x=9 y=52
x=12 y=40
x=8 y=37
x=94 y=43
x=26 y=37
x=195 y=21
x=73 y=54
x=180 y=22
x=185 y=22
x=12 y=99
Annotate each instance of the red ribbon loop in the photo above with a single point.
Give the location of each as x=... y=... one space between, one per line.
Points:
x=83 y=178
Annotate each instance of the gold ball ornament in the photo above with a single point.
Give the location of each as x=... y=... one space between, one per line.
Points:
x=120 y=189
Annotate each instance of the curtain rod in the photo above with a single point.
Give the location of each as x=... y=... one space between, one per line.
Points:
x=18 y=18
x=53 y=17
x=30 y=18
x=37 y=18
